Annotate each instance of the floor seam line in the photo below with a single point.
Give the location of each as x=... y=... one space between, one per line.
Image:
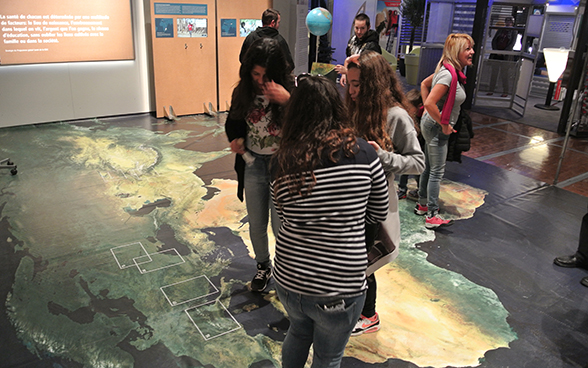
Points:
x=572 y=180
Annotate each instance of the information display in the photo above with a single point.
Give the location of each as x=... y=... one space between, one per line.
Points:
x=52 y=31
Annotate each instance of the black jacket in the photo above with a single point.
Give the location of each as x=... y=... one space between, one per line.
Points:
x=267 y=32
x=237 y=128
x=460 y=141
x=371 y=41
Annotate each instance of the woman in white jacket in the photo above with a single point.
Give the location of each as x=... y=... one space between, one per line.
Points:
x=377 y=107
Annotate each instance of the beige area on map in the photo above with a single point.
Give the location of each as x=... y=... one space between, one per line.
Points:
x=418 y=326
x=460 y=201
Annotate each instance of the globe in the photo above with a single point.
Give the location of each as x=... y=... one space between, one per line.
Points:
x=318 y=21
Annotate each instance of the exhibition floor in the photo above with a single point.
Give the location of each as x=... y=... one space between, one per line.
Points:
x=123 y=245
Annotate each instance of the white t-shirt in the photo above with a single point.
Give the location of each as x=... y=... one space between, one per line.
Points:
x=264 y=135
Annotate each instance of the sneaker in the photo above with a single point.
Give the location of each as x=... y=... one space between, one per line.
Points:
x=401 y=193
x=261 y=278
x=434 y=222
x=413 y=195
x=420 y=209
x=366 y=325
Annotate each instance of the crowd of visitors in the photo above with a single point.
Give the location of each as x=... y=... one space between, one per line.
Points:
x=323 y=170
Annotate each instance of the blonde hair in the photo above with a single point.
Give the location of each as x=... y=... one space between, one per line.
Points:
x=454 y=44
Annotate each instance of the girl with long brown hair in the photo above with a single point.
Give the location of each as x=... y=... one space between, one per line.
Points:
x=253 y=129
x=328 y=185
x=377 y=108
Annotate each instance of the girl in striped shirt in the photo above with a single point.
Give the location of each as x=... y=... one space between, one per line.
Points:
x=328 y=184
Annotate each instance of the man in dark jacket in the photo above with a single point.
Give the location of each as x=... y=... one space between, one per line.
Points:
x=363 y=39
x=271 y=22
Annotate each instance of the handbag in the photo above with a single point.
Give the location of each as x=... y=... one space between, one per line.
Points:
x=384 y=250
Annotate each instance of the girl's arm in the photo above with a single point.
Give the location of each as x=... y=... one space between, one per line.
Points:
x=426 y=86
x=407 y=158
x=438 y=91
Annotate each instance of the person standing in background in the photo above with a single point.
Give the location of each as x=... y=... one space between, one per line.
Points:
x=415 y=110
x=503 y=40
x=580 y=258
x=270 y=21
x=364 y=39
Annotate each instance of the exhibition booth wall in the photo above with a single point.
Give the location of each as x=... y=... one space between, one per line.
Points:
x=155 y=74
x=36 y=93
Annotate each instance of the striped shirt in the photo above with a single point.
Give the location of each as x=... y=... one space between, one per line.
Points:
x=321 y=248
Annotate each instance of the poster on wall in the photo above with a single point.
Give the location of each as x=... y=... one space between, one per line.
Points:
x=228 y=27
x=192 y=27
x=386 y=24
x=248 y=26
x=164 y=27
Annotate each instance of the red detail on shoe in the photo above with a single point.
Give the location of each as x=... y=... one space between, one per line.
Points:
x=420 y=209
x=436 y=221
x=366 y=325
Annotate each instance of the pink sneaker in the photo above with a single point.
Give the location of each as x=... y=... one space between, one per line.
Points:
x=366 y=325
x=420 y=209
x=435 y=221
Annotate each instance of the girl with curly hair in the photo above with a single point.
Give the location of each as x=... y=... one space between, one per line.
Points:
x=378 y=111
x=328 y=185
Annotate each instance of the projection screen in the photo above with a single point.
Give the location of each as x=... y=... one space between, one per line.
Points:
x=52 y=31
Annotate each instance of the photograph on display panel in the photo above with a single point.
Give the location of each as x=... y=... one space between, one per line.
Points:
x=192 y=27
x=248 y=26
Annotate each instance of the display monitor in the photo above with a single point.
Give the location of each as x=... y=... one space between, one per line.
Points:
x=53 y=31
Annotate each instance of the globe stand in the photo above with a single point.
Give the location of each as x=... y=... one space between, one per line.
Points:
x=318 y=41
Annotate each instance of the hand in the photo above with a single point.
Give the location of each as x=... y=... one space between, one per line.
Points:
x=352 y=59
x=343 y=80
x=275 y=93
x=238 y=145
x=447 y=129
x=375 y=145
x=340 y=69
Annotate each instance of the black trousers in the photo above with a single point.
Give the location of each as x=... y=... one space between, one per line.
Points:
x=369 y=308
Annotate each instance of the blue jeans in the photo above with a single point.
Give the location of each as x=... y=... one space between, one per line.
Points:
x=310 y=324
x=435 y=158
x=259 y=205
x=403 y=181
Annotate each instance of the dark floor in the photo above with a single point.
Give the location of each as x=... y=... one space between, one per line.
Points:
x=506 y=248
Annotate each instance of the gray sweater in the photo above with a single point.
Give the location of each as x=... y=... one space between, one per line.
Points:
x=407 y=158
